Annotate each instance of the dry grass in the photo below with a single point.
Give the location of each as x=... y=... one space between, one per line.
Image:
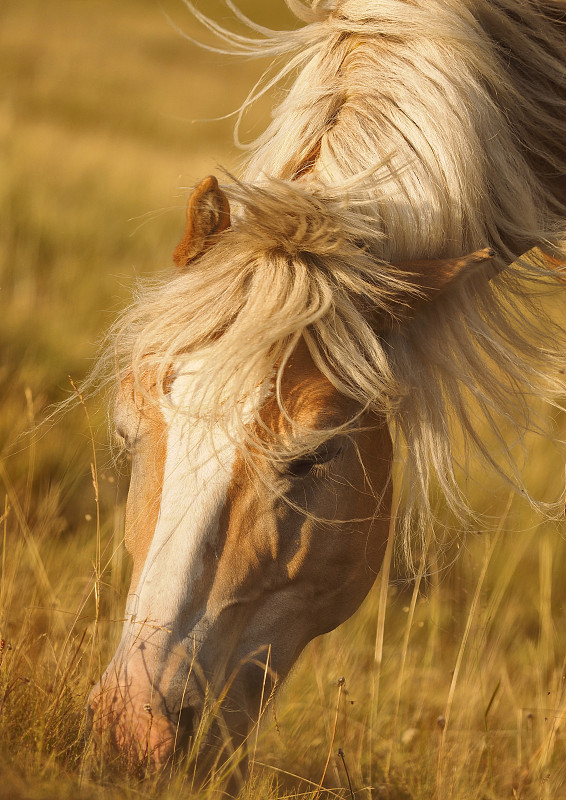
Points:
x=462 y=697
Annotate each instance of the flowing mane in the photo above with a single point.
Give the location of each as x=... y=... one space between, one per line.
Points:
x=421 y=129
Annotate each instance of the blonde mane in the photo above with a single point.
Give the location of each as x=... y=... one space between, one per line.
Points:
x=413 y=129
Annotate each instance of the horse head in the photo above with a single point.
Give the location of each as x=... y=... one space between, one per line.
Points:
x=247 y=542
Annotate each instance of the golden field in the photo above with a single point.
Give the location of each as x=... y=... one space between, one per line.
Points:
x=454 y=684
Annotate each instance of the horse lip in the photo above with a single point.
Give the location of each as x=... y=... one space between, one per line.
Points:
x=186 y=727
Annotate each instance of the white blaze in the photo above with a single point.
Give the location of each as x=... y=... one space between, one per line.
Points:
x=198 y=471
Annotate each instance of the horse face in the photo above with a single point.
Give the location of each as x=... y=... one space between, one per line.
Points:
x=237 y=565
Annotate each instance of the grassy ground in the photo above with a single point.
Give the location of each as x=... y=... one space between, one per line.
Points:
x=454 y=687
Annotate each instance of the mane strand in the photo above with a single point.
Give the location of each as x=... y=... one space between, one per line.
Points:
x=423 y=129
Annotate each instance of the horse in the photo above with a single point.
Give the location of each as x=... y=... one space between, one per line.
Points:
x=357 y=293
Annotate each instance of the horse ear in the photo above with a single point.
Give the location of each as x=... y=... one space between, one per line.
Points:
x=431 y=277
x=208 y=213
x=434 y=275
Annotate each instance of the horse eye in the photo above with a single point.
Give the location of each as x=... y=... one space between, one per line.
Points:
x=122 y=439
x=301 y=466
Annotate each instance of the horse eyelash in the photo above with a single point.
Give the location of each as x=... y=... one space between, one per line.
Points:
x=312 y=465
x=122 y=440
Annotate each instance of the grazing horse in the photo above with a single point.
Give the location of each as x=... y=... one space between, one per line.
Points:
x=359 y=290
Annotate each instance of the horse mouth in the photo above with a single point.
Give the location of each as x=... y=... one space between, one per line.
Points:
x=186 y=729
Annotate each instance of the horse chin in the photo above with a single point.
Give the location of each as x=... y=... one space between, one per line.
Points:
x=213 y=734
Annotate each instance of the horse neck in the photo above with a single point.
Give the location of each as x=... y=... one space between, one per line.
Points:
x=438 y=170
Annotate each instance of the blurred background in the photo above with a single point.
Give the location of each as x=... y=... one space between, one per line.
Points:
x=107 y=116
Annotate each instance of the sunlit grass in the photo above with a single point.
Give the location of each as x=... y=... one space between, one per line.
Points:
x=471 y=686
x=466 y=699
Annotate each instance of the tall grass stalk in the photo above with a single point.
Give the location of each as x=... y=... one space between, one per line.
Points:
x=440 y=787
x=380 y=627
